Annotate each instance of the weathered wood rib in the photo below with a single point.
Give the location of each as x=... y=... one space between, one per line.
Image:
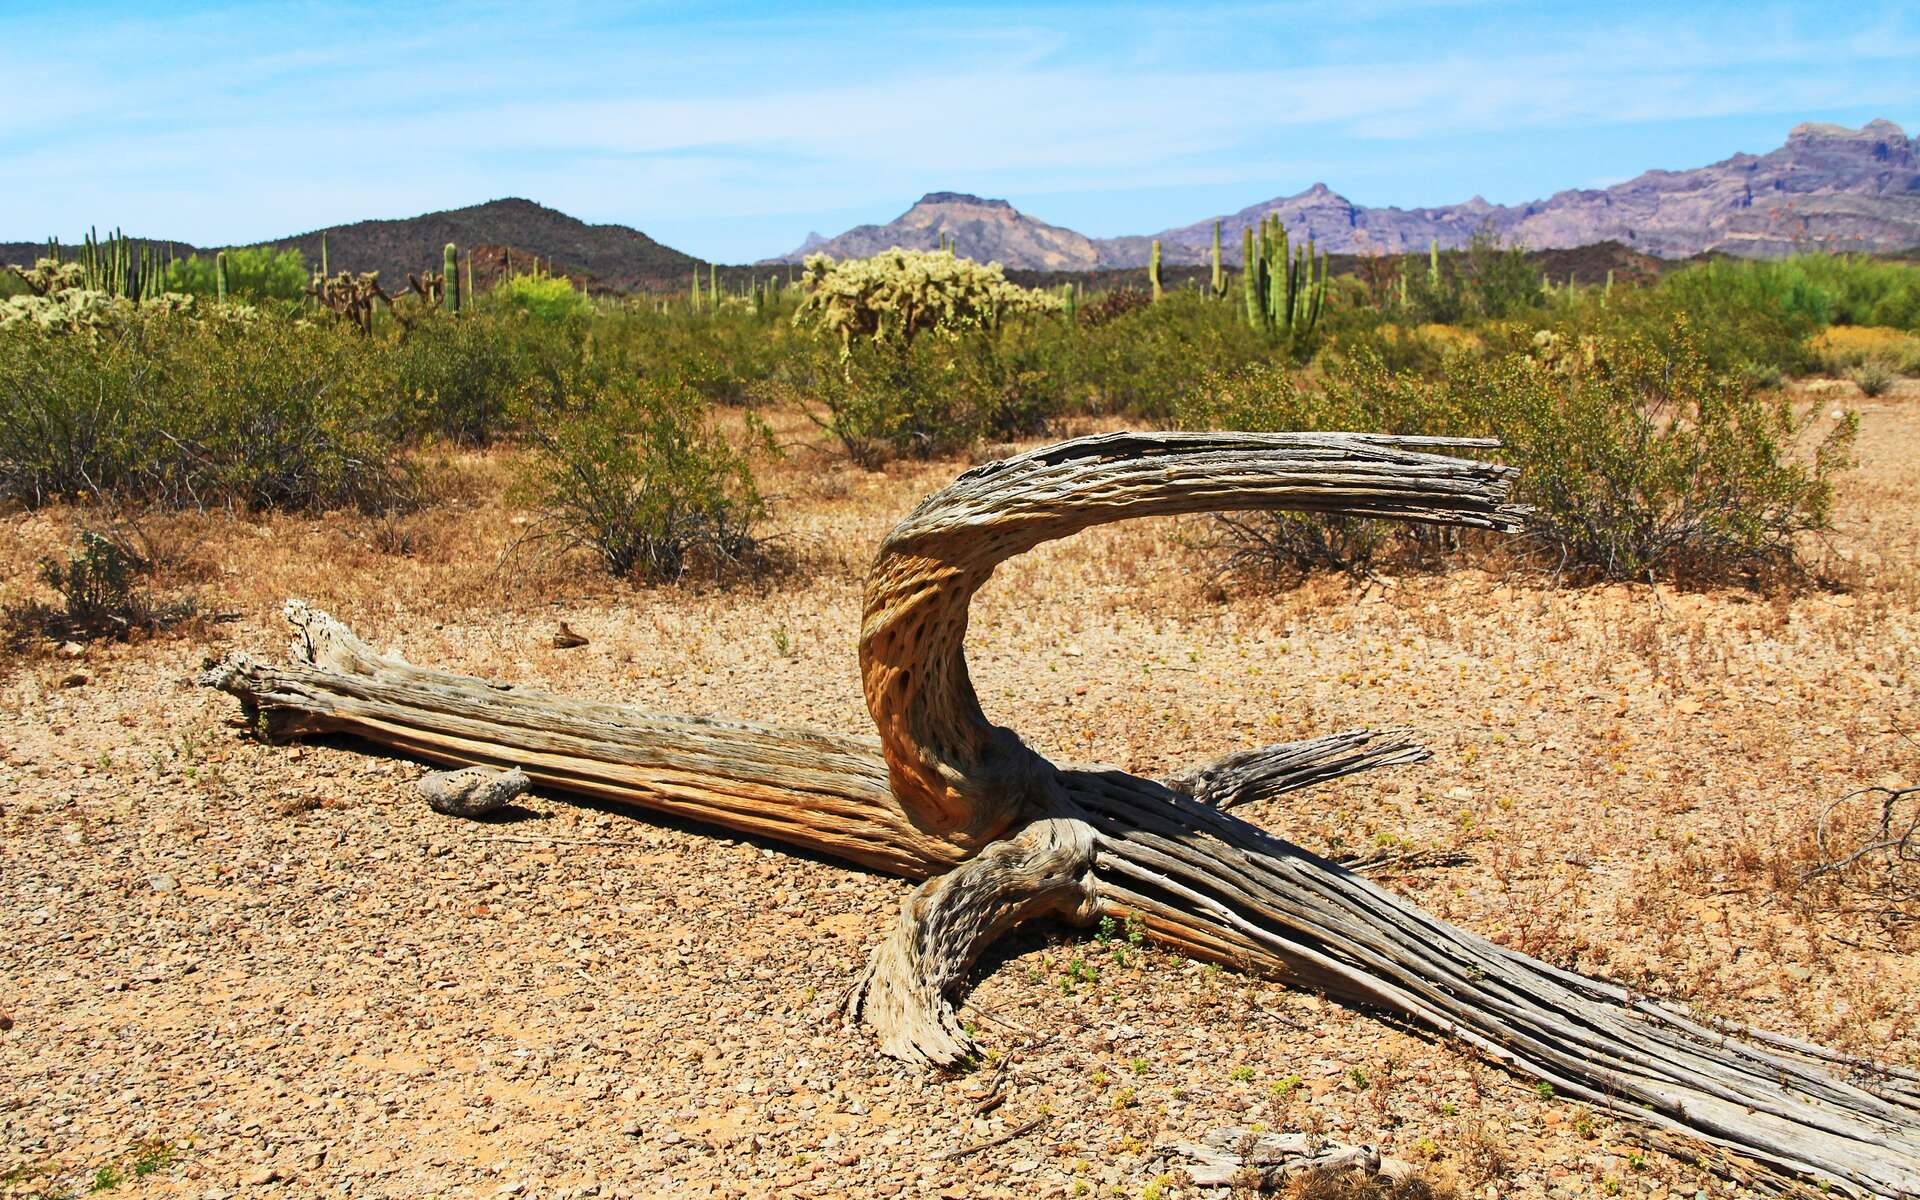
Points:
x=963 y=775
x=1223 y=889
x=820 y=791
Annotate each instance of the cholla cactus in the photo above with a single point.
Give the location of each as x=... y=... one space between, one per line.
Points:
x=900 y=294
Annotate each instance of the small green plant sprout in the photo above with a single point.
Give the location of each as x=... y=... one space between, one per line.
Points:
x=105 y=1180
x=782 y=641
x=1104 y=932
x=1285 y=1087
x=1124 y=1098
x=1583 y=1125
x=1241 y=1074
x=1543 y=1090
x=1358 y=1076
x=1156 y=1190
x=1099 y=1079
x=1136 y=932
x=1449 y=1109
x=1138 y=1066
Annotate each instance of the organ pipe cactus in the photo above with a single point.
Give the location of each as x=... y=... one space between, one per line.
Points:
x=1286 y=285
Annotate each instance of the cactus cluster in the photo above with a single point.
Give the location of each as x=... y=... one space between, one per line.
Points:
x=122 y=268
x=1285 y=286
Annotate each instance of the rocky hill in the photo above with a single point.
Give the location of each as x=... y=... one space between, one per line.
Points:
x=1827 y=188
x=613 y=257
x=983 y=230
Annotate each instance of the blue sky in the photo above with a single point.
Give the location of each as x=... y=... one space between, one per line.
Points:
x=729 y=131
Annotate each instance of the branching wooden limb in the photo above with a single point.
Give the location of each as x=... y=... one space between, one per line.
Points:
x=1268 y=771
x=1007 y=836
x=904 y=993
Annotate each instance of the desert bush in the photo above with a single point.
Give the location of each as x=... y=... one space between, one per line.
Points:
x=470 y=378
x=262 y=413
x=1844 y=347
x=880 y=403
x=101 y=592
x=1637 y=459
x=1499 y=281
x=636 y=475
x=255 y=275
x=1652 y=464
x=543 y=297
x=1873 y=376
x=1110 y=305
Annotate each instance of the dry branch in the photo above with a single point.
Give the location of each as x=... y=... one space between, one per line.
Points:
x=1001 y=835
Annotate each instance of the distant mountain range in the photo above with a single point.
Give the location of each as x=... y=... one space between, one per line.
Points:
x=1827 y=188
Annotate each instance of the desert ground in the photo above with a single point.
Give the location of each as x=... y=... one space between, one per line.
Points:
x=230 y=968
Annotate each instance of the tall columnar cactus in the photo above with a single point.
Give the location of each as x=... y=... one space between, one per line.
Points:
x=450 y=275
x=1285 y=285
x=694 y=296
x=1153 y=270
x=220 y=277
x=1433 y=264
x=323 y=255
x=713 y=286
x=469 y=292
x=1219 y=290
x=1250 y=275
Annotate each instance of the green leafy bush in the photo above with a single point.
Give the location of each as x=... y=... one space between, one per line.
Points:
x=637 y=476
x=544 y=297
x=1637 y=460
x=264 y=413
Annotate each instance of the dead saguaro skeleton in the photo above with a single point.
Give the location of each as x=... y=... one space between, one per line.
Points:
x=1001 y=835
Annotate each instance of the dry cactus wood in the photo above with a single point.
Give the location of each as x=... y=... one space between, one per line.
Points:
x=1001 y=835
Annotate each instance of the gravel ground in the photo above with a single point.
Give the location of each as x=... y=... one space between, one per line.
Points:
x=229 y=968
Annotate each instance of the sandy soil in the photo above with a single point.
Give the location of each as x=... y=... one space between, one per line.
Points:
x=230 y=968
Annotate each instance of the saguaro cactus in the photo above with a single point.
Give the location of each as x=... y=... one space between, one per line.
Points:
x=323 y=255
x=1219 y=282
x=1153 y=270
x=220 y=277
x=450 y=271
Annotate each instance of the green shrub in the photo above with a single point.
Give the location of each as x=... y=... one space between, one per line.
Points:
x=637 y=476
x=255 y=275
x=1874 y=376
x=1637 y=460
x=1651 y=464
x=263 y=413
x=469 y=378
x=544 y=297
x=101 y=594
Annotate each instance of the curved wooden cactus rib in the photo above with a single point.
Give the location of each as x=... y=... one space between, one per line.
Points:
x=1002 y=835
